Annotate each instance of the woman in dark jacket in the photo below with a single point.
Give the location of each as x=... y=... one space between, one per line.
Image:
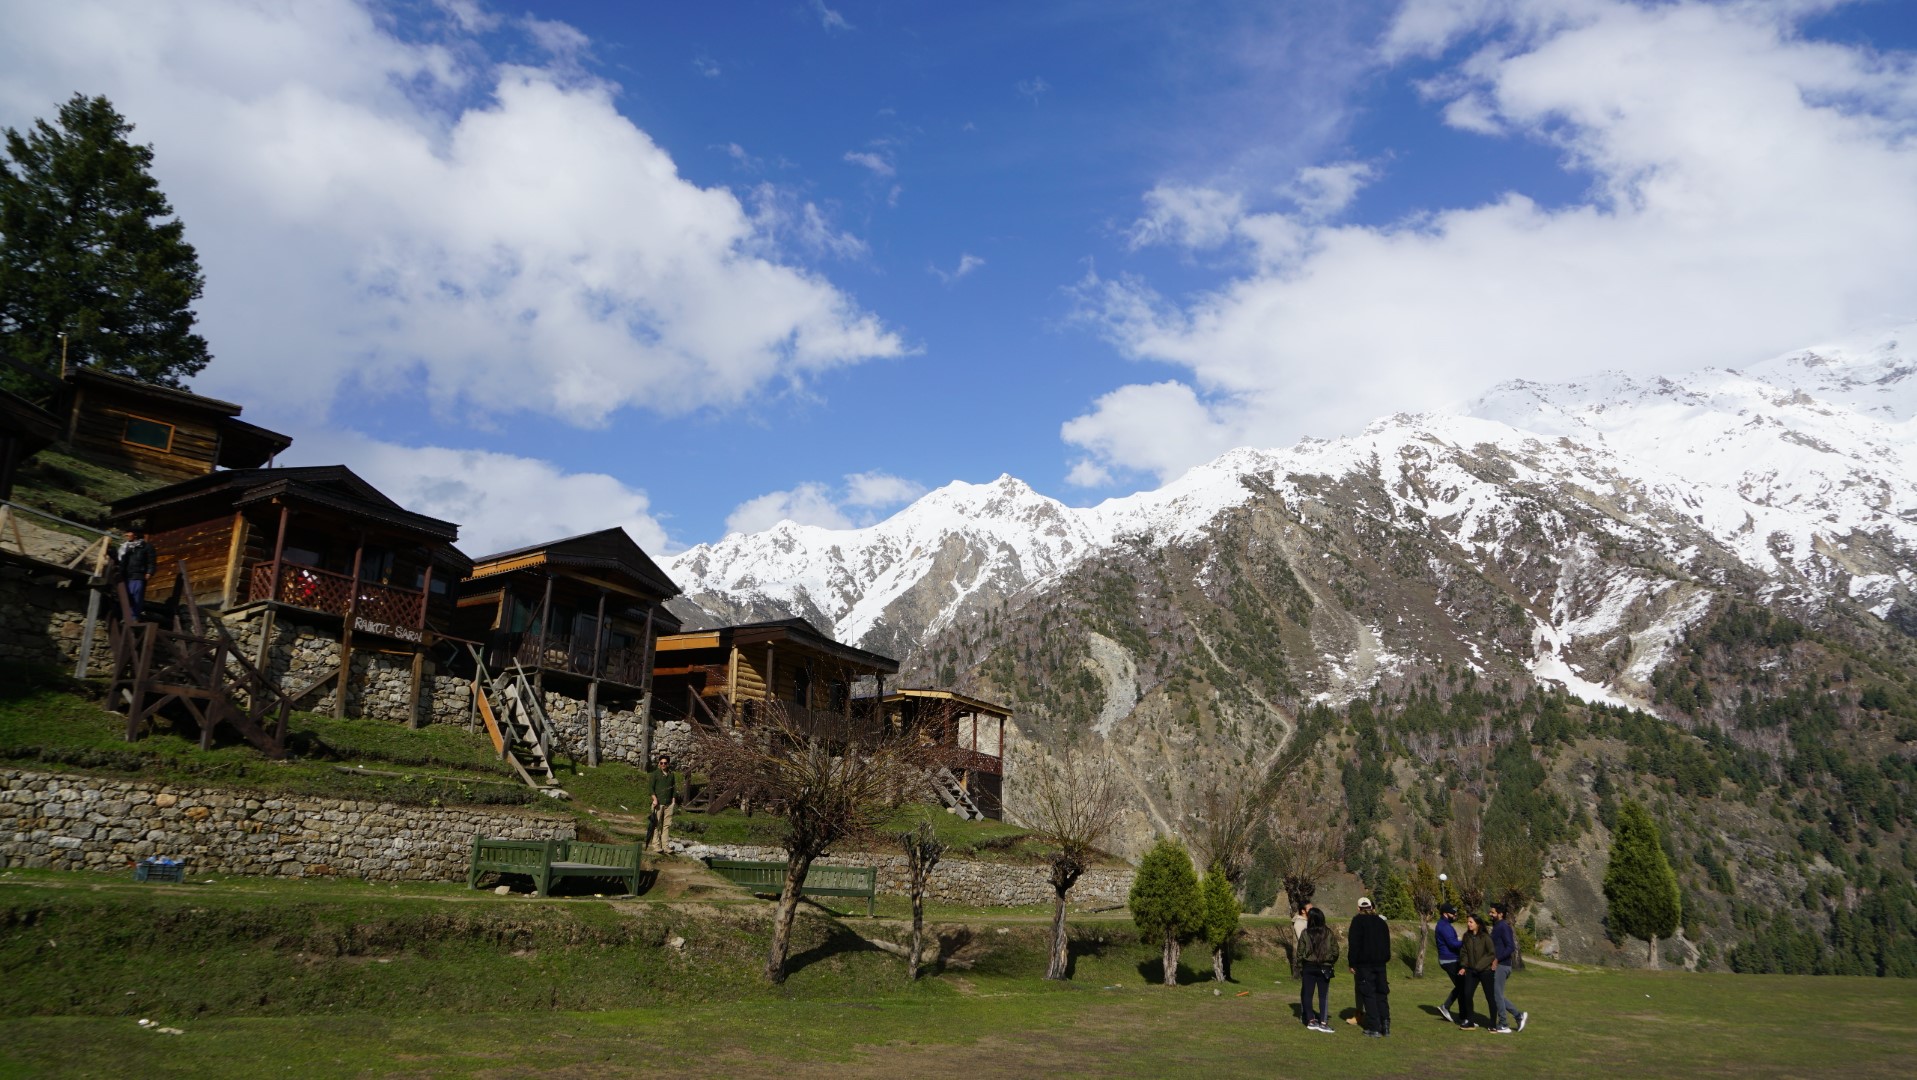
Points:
x=1477 y=958
x=1317 y=961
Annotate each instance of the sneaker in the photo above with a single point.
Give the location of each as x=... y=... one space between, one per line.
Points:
x=1446 y=1013
x=1500 y=1030
x=1522 y=1018
x=1467 y=1025
x=1324 y=1029
x=1374 y=1034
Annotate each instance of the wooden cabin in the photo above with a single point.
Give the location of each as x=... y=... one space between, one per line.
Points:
x=157 y=431
x=974 y=730
x=724 y=676
x=579 y=614
x=317 y=540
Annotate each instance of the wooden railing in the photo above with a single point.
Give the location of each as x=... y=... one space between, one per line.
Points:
x=323 y=590
x=626 y=664
x=973 y=761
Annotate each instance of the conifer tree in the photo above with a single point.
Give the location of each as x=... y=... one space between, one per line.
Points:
x=1218 y=904
x=89 y=248
x=1165 y=902
x=1639 y=885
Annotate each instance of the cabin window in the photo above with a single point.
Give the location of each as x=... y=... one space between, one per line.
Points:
x=149 y=433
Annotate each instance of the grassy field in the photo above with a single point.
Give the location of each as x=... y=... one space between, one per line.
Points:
x=345 y=979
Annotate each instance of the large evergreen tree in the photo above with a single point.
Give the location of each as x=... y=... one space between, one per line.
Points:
x=1639 y=885
x=89 y=247
x=1165 y=902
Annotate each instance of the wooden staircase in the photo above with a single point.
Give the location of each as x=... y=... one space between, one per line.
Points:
x=520 y=730
x=951 y=791
x=192 y=664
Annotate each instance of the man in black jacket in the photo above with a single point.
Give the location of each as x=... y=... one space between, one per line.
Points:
x=1369 y=945
x=136 y=562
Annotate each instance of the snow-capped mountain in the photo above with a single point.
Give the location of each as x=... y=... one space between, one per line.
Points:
x=1609 y=510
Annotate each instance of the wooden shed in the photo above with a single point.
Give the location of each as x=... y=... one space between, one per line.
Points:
x=157 y=431
x=973 y=729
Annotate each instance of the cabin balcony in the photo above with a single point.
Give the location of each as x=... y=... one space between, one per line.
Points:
x=973 y=761
x=625 y=665
x=322 y=590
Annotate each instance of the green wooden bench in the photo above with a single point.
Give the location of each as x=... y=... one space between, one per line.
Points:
x=768 y=878
x=547 y=861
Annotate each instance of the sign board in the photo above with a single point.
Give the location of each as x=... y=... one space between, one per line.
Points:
x=391 y=630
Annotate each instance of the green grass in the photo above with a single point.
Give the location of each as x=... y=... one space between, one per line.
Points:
x=345 y=979
x=68 y=487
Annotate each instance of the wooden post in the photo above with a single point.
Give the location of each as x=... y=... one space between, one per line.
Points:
x=279 y=552
x=86 y=632
x=235 y=558
x=346 y=631
x=645 y=690
x=266 y=637
x=412 y=700
x=592 y=689
x=425 y=592
x=539 y=655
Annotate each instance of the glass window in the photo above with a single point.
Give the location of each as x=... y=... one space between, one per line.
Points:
x=143 y=432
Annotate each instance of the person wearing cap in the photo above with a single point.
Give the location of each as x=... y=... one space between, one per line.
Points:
x=1504 y=946
x=1447 y=938
x=1369 y=945
x=665 y=796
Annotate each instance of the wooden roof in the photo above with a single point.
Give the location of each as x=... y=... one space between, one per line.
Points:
x=608 y=552
x=174 y=396
x=334 y=487
x=789 y=631
x=243 y=445
x=21 y=418
x=972 y=703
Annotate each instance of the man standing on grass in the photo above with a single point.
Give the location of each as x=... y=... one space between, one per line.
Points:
x=1447 y=938
x=665 y=796
x=1369 y=945
x=1504 y=945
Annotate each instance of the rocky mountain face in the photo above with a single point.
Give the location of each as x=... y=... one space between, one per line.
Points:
x=1552 y=547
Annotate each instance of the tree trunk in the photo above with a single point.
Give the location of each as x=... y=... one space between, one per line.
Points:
x=795 y=867
x=1170 y=957
x=1061 y=953
x=1653 y=952
x=1218 y=963
x=1424 y=935
x=918 y=932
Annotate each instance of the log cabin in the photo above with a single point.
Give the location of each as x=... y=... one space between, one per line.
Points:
x=25 y=429
x=581 y=616
x=972 y=728
x=316 y=547
x=724 y=676
x=159 y=432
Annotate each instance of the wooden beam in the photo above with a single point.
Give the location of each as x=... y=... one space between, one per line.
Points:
x=279 y=552
x=592 y=691
x=645 y=689
x=412 y=698
x=346 y=634
x=235 y=554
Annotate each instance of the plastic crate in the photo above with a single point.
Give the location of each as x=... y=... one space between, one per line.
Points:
x=159 y=870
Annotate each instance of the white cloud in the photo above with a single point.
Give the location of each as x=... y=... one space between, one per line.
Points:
x=830 y=19
x=499 y=501
x=794 y=222
x=879 y=165
x=807 y=504
x=853 y=504
x=1033 y=88
x=1749 y=191
x=1322 y=191
x=967 y=263
x=707 y=66
x=410 y=216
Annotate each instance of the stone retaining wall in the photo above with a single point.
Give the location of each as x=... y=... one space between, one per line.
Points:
x=89 y=823
x=955 y=881
x=42 y=610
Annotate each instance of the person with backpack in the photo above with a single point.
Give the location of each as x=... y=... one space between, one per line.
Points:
x=1476 y=960
x=1369 y=940
x=1446 y=935
x=1504 y=947
x=1317 y=962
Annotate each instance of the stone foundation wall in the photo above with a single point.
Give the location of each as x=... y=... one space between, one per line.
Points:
x=621 y=734
x=955 y=881
x=88 y=823
x=42 y=611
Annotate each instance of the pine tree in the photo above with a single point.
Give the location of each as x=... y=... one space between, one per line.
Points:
x=1165 y=902
x=1218 y=922
x=86 y=249
x=1639 y=885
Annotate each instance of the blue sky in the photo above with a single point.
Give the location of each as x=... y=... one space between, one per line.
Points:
x=549 y=267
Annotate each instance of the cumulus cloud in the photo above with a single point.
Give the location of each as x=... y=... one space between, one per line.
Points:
x=852 y=504
x=1187 y=216
x=499 y=501
x=391 y=209
x=879 y=165
x=1748 y=191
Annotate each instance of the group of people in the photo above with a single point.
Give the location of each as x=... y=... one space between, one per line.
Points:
x=1482 y=957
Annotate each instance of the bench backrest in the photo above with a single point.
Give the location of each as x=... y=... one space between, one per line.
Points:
x=861 y=880
x=770 y=876
x=511 y=852
x=593 y=853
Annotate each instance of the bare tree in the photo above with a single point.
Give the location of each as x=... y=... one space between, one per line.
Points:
x=923 y=849
x=1425 y=897
x=1306 y=845
x=1075 y=806
x=1467 y=860
x=828 y=781
x=1224 y=824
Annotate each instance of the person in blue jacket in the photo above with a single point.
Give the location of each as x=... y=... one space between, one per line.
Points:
x=1447 y=936
x=1504 y=943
